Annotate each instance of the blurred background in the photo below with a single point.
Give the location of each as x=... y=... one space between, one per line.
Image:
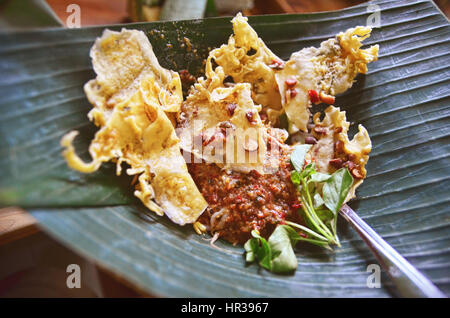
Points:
x=32 y=263
x=95 y=12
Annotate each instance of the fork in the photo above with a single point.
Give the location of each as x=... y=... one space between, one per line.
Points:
x=408 y=280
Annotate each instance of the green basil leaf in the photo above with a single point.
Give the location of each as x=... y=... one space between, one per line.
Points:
x=257 y=247
x=281 y=243
x=295 y=177
x=320 y=177
x=325 y=215
x=298 y=156
x=265 y=255
x=335 y=190
x=318 y=201
x=309 y=170
x=251 y=247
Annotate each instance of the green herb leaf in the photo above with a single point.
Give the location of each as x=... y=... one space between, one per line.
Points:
x=276 y=254
x=308 y=179
x=313 y=238
x=309 y=170
x=307 y=231
x=295 y=177
x=325 y=215
x=258 y=248
x=251 y=247
x=281 y=242
x=298 y=156
x=318 y=201
x=320 y=177
x=335 y=190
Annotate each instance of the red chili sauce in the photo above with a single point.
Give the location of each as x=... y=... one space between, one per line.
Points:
x=240 y=202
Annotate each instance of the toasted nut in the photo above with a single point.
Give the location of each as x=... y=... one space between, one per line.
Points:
x=356 y=173
x=277 y=65
x=263 y=116
x=226 y=124
x=337 y=130
x=350 y=165
x=293 y=92
x=224 y=132
x=250 y=144
x=254 y=173
x=231 y=108
x=250 y=116
x=339 y=146
x=320 y=130
x=337 y=163
x=310 y=140
x=290 y=82
x=327 y=99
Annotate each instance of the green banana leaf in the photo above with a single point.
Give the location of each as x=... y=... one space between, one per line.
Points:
x=26 y=14
x=403 y=101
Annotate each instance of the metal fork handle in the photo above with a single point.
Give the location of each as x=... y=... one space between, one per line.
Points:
x=408 y=280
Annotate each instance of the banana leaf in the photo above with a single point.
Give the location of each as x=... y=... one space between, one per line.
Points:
x=27 y=14
x=403 y=101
